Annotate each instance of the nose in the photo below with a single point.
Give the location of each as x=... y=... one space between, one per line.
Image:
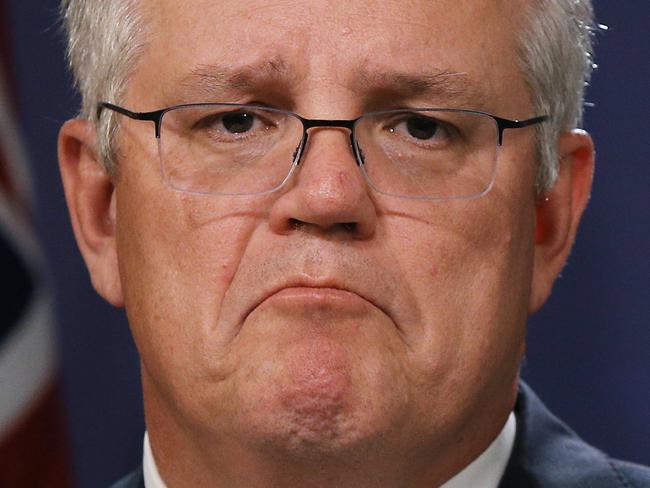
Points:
x=328 y=193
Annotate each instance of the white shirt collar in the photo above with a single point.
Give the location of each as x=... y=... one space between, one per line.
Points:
x=152 y=477
x=484 y=472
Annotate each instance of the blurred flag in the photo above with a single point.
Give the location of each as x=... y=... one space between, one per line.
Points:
x=33 y=441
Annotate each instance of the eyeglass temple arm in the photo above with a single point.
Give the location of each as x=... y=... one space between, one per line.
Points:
x=517 y=124
x=154 y=116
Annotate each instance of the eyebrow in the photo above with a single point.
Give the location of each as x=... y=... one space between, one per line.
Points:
x=211 y=79
x=452 y=88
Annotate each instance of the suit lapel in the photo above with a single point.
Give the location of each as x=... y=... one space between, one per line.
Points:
x=549 y=454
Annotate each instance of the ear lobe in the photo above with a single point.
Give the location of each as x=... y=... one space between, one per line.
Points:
x=91 y=198
x=559 y=211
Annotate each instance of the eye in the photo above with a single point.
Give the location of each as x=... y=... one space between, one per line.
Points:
x=238 y=122
x=422 y=129
x=234 y=124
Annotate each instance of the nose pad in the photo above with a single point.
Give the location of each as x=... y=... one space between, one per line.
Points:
x=300 y=150
x=356 y=150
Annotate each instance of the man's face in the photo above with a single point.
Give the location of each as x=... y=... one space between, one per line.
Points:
x=265 y=319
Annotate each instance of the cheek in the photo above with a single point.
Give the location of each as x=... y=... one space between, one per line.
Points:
x=469 y=268
x=175 y=269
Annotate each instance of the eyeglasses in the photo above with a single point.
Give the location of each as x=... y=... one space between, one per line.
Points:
x=236 y=149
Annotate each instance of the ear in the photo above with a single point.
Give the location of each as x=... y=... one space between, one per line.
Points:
x=559 y=211
x=90 y=195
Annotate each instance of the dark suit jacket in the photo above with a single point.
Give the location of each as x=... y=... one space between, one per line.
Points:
x=546 y=454
x=549 y=454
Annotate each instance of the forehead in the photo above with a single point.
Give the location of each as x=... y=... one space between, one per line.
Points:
x=353 y=45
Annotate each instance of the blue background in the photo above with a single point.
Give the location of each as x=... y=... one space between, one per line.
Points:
x=588 y=348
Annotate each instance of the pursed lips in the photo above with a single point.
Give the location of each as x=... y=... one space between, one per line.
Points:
x=317 y=291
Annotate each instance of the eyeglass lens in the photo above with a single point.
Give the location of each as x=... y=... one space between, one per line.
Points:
x=237 y=150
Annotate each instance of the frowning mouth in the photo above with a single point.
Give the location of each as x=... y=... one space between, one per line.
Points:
x=316 y=295
x=302 y=296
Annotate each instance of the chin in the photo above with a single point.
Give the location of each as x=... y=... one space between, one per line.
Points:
x=318 y=404
x=305 y=437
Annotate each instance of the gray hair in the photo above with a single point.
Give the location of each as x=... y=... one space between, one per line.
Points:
x=556 y=58
x=105 y=38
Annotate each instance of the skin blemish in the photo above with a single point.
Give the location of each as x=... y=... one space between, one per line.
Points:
x=226 y=272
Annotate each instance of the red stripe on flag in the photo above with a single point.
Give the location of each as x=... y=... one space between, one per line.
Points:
x=7 y=187
x=6 y=68
x=6 y=56
x=34 y=453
